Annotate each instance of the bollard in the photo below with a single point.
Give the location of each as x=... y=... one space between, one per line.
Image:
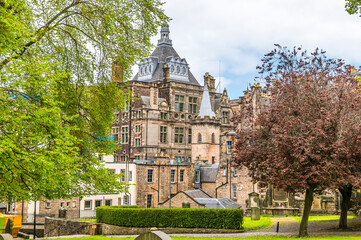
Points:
x=278 y=227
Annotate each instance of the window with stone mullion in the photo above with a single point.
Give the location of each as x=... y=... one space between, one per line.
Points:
x=163 y=134
x=192 y=105
x=179 y=103
x=178 y=135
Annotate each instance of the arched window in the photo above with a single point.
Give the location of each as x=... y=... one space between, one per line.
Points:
x=213 y=139
x=199 y=138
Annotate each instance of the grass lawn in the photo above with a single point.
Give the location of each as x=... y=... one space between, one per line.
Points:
x=264 y=222
x=217 y=238
x=322 y=218
x=88 y=220
x=266 y=238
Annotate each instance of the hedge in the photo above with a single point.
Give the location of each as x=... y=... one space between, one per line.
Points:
x=174 y=217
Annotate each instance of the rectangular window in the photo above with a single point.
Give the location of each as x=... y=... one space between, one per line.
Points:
x=98 y=203
x=192 y=105
x=124 y=134
x=163 y=134
x=224 y=171
x=74 y=204
x=163 y=116
x=234 y=187
x=68 y=204
x=137 y=142
x=115 y=132
x=130 y=177
x=88 y=204
x=62 y=205
x=123 y=158
x=225 y=117
x=149 y=200
x=126 y=200
x=179 y=103
x=137 y=128
x=116 y=158
x=189 y=136
x=111 y=171
x=172 y=175
x=137 y=157
x=122 y=171
x=235 y=172
x=229 y=147
x=108 y=202
x=178 y=135
x=150 y=175
x=197 y=176
x=47 y=205
x=181 y=175
x=137 y=114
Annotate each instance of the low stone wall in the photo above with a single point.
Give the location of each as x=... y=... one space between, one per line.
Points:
x=61 y=227
x=107 y=229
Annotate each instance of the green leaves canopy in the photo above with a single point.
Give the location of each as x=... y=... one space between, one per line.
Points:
x=57 y=99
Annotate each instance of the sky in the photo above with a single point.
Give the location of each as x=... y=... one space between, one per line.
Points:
x=228 y=38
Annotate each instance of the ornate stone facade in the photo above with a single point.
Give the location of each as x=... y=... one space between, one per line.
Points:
x=172 y=116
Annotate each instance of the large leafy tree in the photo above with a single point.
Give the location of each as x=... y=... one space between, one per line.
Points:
x=307 y=137
x=57 y=100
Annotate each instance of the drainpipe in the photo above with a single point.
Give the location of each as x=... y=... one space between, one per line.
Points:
x=223 y=184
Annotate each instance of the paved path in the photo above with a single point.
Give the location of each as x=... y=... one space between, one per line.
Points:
x=287 y=227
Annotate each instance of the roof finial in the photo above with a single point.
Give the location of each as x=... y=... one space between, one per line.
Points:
x=164 y=36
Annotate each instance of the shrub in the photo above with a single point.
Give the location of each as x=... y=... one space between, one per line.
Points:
x=174 y=217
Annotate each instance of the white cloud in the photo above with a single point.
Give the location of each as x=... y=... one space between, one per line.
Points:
x=239 y=32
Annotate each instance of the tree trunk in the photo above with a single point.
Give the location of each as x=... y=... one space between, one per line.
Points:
x=306 y=212
x=346 y=192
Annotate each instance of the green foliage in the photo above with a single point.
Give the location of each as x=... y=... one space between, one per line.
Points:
x=353 y=6
x=174 y=217
x=264 y=222
x=57 y=97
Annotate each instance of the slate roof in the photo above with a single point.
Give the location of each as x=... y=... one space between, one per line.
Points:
x=209 y=174
x=223 y=202
x=162 y=53
x=196 y=194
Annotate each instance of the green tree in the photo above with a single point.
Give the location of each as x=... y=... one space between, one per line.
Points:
x=353 y=6
x=57 y=99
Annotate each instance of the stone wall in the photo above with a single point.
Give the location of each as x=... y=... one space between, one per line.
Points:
x=159 y=188
x=61 y=227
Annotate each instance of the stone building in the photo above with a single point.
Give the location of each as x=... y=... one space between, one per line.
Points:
x=178 y=132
